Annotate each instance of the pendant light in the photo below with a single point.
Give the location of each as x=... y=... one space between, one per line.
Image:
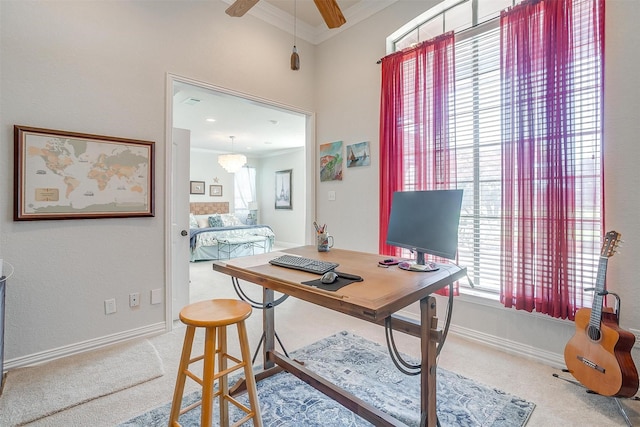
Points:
x=295 y=59
x=232 y=163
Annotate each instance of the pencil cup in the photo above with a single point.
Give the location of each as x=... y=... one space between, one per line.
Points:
x=324 y=242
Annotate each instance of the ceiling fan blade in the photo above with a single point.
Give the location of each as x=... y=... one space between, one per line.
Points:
x=331 y=12
x=240 y=7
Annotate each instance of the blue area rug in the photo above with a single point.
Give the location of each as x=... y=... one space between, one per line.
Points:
x=365 y=369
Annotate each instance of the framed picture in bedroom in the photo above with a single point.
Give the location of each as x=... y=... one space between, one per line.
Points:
x=215 y=190
x=70 y=175
x=197 y=187
x=283 y=189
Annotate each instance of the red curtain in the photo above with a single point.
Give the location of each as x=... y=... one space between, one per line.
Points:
x=552 y=50
x=391 y=142
x=417 y=151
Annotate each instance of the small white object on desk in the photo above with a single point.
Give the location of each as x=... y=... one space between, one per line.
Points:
x=412 y=266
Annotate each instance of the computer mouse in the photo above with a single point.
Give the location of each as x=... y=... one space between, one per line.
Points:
x=329 y=277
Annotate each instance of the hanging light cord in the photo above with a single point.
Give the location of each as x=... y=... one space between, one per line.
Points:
x=255 y=304
x=295 y=58
x=396 y=357
x=4 y=276
x=259 y=306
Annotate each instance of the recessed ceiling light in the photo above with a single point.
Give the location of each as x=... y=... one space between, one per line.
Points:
x=211 y=120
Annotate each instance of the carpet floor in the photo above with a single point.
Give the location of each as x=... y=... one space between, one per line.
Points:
x=365 y=369
x=32 y=393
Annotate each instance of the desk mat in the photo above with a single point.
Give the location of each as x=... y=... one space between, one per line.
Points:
x=339 y=283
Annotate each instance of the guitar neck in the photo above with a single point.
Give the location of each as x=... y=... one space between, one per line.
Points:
x=596 y=309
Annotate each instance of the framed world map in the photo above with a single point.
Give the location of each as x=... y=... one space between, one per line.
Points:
x=67 y=175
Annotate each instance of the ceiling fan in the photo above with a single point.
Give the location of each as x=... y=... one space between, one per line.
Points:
x=329 y=10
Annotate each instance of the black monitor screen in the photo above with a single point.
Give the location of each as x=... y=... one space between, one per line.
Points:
x=426 y=222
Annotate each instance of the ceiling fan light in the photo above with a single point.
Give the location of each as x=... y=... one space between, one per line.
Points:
x=232 y=163
x=295 y=59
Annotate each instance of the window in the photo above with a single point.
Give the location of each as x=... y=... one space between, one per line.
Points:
x=245 y=189
x=478 y=155
x=477 y=126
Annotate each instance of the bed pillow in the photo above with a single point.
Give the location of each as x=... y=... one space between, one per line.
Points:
x=193 y=222
x=203 y=222
x=230 y=220
x=216 y=221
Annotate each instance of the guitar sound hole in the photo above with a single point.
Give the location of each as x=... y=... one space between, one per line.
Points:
x=594 y=333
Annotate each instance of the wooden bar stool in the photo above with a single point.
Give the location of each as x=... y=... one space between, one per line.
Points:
x=215 y=315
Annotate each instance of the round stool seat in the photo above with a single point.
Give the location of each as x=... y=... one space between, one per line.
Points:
x=217 y=312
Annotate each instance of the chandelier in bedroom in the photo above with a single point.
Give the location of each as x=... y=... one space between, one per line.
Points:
x=232 y=162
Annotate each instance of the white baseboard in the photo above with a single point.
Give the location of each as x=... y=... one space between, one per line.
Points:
x=511 y=347
x=81 y=347
x=498 y=343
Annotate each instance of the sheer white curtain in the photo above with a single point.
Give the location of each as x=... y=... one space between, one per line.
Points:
x=245 y=190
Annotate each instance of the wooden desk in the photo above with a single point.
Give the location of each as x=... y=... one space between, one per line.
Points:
x=383 y=292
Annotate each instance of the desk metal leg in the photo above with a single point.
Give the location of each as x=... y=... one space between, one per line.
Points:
x=428 y=333
x=268 y=340
x=268 y=323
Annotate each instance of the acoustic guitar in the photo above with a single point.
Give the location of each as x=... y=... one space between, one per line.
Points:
x=599 y=354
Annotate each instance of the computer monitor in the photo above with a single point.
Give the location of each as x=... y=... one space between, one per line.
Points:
x=425 y=222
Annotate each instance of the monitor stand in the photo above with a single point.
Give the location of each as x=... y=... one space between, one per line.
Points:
x=419 y=264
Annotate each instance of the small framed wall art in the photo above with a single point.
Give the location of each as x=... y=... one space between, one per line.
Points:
x=215 y=190
x=197 y=187
x=283 y=189
x=358 y=155
x=70 y=175
x=331 y=161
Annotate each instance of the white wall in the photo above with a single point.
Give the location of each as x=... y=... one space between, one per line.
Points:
x=287 y=224
x=101 y=67
x=347 y=109
x=205 y=167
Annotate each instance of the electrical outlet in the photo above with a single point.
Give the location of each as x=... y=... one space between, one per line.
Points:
x=636 y=332
x=134 y=299
x=109 y=306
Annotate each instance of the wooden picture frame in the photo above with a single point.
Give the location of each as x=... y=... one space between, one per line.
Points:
x=283 y=189
x=70 y=175
x=197 y=187
x=215 y=190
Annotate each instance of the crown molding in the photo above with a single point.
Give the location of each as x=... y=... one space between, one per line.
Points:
x=315 y=35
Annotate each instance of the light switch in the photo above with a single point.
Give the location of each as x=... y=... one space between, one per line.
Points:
x=332 y=195
x=156 y=296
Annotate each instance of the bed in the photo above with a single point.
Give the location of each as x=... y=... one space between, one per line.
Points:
x=217 y=234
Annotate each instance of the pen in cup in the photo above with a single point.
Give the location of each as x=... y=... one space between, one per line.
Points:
x=320 y=230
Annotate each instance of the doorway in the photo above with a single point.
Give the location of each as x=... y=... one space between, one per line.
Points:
x=235 y=106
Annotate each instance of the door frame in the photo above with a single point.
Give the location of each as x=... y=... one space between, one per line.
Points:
x=309 y=176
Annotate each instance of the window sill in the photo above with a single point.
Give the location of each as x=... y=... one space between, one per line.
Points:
x=490 y=299
x=481 y=297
